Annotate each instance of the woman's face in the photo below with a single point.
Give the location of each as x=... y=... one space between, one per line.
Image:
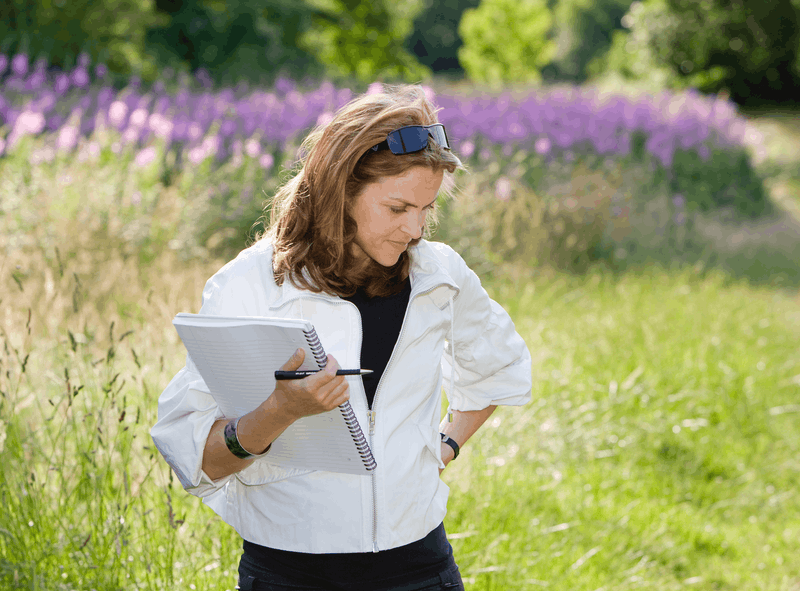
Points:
x=391 y=213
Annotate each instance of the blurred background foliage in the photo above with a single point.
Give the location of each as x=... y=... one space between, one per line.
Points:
x=506 y=41
x=748 y=50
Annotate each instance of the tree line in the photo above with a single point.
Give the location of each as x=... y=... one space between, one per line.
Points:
x=750 y=50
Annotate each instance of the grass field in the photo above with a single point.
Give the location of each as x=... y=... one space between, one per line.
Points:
x=660 y=450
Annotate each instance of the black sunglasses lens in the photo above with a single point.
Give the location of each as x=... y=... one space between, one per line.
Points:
x=415 y=138
x=439 y=135
x=408 y=139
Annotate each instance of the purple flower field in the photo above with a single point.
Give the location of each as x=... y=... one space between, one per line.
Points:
x=74 y=109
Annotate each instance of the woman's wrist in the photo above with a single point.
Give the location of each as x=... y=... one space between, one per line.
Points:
x=253 y=426
x=448 y=455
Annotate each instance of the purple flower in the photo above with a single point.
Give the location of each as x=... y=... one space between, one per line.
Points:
x=542 y=146
x=161 y=126
x=101 y=71
x=53 y=122
x=138 y=118
x=467 y=149
x=502 y=189
x=117 y=113
x=36 y=80
x=19 y=64
x=29 y=122
x=375 y=88
x=84 y=60
x=130 y=135
x=252 y=147
x=62 y=84
x=197 y=155
x=211 y=145
x=266 y=161
x=194 y=132
x=80 y=77
x=679 y=218
x=324 y=118
x=145 y=157
x=284 y=85
x=204 y=78
x=679 y=201
x=67 y=138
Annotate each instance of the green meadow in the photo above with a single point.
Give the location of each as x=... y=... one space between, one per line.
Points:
x=660 y=450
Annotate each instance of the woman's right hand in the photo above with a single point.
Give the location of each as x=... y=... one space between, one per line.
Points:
x=311 y=395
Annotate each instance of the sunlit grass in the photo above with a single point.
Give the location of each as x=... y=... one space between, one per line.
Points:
x=660 y=449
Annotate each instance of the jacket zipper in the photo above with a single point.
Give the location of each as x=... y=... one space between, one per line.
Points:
x=373 y=414
x=370 y=412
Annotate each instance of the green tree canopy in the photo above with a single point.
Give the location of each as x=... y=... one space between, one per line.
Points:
x=506 y=41
x=435 y=40
x=583 y=30
x=749 y=48
x=364 y=38
x=235 y=39
x=109 y=31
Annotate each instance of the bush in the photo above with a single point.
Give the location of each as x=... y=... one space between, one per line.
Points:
x=500 y=222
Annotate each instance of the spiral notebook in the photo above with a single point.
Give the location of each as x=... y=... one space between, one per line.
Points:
x=237 y=358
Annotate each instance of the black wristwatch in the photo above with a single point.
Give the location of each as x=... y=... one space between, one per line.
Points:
x=452 y=443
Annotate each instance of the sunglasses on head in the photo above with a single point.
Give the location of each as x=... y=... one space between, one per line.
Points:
x=413 y=138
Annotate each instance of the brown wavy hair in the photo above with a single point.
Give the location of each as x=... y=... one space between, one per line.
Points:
x=310 y=223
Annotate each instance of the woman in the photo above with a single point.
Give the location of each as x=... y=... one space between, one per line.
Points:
x=345 y=251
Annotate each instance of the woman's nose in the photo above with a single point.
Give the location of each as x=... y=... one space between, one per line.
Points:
x=413 y=224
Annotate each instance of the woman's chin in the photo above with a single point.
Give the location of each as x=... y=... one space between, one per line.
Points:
x=387 y=261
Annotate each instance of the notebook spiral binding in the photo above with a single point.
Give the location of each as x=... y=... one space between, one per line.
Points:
x=358 y=436
x=347 y=410
x=316 y=347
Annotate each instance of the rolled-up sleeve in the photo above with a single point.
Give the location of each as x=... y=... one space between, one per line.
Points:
x=186 y=412
x=186 y=409
x=492 y=361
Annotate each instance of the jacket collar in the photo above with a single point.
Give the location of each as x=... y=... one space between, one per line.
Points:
x=428 y=276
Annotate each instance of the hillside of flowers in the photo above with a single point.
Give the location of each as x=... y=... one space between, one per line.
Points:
x=226 y=148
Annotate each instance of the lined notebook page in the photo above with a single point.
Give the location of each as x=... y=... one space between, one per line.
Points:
x=237 y=358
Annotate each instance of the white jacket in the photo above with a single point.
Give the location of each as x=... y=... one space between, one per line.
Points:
x=404 y=499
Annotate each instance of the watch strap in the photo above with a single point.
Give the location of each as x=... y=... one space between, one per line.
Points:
x=452 y=443
x=232 y=441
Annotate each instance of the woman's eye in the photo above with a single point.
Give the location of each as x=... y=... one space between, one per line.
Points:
x=397 y=209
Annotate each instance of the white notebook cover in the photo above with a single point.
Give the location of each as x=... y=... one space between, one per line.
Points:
x=237 y=358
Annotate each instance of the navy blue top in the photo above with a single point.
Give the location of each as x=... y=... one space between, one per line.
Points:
x=381 y=322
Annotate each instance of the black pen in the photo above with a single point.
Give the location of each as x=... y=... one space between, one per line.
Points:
x=299 y=375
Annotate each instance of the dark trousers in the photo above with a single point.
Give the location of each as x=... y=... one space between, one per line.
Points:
x=448 y=579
